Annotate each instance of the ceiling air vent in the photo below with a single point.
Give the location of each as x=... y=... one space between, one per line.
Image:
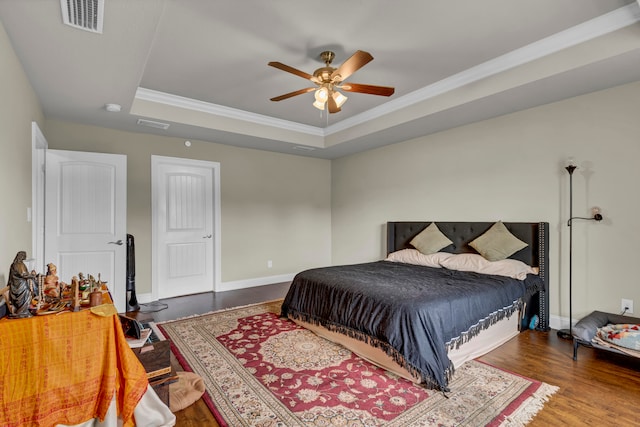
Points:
x=303 y=147
x=83 y=14
x=153 y=124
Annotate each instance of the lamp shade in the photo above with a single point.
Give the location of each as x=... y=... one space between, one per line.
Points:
x=339 y=98
x=322 y=94
x=319 y=105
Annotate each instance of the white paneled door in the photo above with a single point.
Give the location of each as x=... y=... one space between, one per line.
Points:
x=184 y=200
x=85 y=217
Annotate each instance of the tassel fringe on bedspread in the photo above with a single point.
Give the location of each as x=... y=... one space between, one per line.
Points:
x=373 y=342
x=485 y=323
x=429 y=382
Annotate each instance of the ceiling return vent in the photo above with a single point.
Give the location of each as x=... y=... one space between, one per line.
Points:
x=83 y=14
x=153 y=124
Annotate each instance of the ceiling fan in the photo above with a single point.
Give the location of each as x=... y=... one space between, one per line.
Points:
x=329 y=79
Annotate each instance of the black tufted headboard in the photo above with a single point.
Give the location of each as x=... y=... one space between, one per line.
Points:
x=535 y=234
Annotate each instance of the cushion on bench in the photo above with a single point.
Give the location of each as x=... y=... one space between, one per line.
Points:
x=587 y=327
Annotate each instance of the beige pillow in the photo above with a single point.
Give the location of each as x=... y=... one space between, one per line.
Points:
x=430 y=240
x=510 y=268
x=477 y=263
x=415 y=257
x=497 y=243
x=465 y=262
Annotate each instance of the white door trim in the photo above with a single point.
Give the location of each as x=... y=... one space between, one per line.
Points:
x=156 y=161
x=39 y=147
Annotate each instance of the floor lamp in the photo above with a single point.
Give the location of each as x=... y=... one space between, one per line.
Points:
x=568 y=333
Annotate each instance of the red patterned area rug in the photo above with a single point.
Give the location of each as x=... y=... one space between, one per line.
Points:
x=262 y=370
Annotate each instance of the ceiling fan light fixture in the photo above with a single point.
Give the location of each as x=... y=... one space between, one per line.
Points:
x=322 y=94
x=319 y=105
x=339 y=98
x=329 y=79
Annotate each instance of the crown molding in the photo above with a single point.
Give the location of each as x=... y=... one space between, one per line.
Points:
x=607 y=23
x=158 y=97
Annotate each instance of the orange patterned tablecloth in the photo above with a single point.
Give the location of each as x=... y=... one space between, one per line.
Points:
x=65 y=369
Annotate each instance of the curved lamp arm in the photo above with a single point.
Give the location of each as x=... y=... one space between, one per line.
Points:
x=597 y=216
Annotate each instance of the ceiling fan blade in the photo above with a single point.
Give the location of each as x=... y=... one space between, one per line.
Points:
x=370 y=89
x=283 y=67
x=353 y=64
x=333 y=106
x=292 y=94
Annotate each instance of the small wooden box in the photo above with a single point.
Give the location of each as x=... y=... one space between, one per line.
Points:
x=162 y=390
x=155 y=357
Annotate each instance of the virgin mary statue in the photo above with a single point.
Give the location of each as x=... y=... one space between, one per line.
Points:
x=21 y=286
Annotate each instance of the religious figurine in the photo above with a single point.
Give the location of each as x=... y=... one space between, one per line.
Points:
x=75 y=294
x=92 y=283
x=21 y=286
x=51 y=285
x=82 y=282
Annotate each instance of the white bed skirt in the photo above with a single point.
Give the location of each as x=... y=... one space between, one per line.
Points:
x=487 y=340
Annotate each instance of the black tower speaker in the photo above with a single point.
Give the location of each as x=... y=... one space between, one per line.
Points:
x=132 y=301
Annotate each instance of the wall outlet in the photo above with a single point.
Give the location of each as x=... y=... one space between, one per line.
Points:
x=627 y=306
x=269 y=264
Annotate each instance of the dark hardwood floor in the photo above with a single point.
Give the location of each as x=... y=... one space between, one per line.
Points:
x=598 y=389
x=211 y=301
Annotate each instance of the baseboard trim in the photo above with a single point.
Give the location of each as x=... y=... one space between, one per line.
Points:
x=558 y=322
x=258 y=281
x=145 y=298
x=233 y=285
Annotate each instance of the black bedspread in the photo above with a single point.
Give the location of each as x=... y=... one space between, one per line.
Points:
x=411 y=312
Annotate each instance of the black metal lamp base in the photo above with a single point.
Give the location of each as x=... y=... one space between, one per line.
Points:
x=565 y=334
x=132 y=301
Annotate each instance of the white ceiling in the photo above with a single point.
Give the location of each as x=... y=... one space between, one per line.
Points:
x=201 y=65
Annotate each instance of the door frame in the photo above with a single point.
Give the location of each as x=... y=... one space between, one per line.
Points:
x=156 y=161
x=39 y=147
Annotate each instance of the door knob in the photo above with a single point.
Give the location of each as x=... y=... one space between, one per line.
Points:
x=118 y=242
x=208 y=236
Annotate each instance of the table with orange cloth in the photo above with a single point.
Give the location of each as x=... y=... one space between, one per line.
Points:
x=67 y=368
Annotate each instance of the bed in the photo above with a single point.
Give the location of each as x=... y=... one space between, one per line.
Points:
x=420 y=321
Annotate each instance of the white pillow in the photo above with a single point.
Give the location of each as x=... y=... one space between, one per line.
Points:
x=477 y=263
x=414 y=256
x=510 y=268
x=465 y=262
